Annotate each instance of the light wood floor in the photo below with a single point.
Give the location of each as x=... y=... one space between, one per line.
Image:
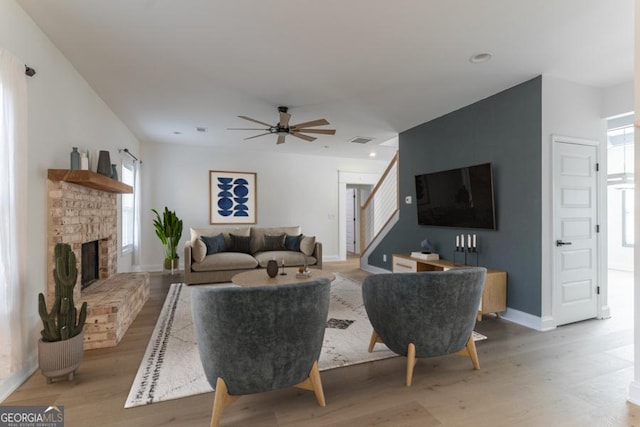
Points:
x=576 y=375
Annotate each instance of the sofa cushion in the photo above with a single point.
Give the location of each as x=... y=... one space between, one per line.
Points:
x=225 y=261
x=307 y=245
x=198 y=251
x=214 y=231
x=274 y=243
x=240 y=244
x=292 y=243
x=258 y=233
x=291 y=259
x=214 y=244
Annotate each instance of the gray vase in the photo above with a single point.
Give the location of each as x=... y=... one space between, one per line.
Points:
x=104 y=163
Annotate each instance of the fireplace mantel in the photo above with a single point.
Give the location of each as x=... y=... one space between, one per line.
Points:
x=89 y=179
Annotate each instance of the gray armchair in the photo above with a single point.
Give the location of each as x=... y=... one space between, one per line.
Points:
x=425 y=314
x=257 y=339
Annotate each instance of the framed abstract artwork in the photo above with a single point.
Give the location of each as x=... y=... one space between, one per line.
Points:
x=232 y=197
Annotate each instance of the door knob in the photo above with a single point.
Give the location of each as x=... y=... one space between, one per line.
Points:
x=561 y=243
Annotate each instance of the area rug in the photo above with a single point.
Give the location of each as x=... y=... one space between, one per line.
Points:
x=171 y=366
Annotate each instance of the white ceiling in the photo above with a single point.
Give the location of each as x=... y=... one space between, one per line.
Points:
x=372 y=68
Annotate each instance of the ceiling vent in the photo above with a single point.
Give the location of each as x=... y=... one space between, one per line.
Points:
x=360 y=140
x=201 y=129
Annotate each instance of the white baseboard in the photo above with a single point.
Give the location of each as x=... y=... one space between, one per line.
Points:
x=528 y=320
x=634 y=393
x=11 y=384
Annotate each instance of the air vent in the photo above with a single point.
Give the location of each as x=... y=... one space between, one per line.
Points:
x=360 y=140
x=201 y=129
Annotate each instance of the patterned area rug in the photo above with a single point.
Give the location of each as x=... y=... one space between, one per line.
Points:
x=171 y=366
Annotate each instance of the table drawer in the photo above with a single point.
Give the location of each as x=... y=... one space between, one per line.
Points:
x=403 y=265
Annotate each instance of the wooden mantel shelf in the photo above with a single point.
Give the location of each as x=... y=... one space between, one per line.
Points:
x=89 y=179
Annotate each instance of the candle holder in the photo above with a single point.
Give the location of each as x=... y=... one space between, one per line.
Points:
x=284 y=273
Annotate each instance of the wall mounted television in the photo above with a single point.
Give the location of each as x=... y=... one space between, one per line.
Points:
x=461 y=197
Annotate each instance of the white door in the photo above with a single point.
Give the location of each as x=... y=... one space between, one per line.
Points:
x=575 y=212
x=350 y=205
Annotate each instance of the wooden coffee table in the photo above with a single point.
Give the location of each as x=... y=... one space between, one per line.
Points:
x=259 y=277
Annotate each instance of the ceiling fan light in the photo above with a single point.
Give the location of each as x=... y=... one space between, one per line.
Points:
x=479 y=58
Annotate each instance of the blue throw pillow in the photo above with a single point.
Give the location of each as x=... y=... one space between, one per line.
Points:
x=292 y=243
x=240 y=244
x=214 y=244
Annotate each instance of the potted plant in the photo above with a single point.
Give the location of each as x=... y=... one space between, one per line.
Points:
x=169 y=230
x=60 y=350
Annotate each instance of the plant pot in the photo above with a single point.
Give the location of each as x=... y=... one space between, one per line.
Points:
x=61 y=357
x=171 y=264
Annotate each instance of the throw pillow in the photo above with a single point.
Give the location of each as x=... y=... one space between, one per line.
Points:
x=240 y=244
x=214 y=244
x=274 y=243
x=198 y=251
x=307 y=245
x=292 y=243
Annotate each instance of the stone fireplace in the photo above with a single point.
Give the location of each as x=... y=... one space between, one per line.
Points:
x=77 y=215
x=83 y=213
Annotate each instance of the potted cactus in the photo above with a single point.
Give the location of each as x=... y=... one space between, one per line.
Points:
x=169 y=230
x=60 y=350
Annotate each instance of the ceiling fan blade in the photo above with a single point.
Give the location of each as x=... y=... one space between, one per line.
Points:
x=255 y=136
x=255 y=121
x=280 y=139
x=318 y=122
x=322 y=131
x=301 y=136
x=247 y=129
x=284 y=119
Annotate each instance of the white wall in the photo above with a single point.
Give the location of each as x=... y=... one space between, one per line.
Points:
x=571 y=110
x=63 y=112
x=291 y=190
x=618 y=100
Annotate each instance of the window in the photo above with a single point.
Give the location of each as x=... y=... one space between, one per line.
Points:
x=128 y=178
x=627 y=217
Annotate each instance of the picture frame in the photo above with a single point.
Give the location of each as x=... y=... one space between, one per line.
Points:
x=232 y=197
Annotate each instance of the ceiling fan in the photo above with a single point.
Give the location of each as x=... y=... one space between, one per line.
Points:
x=282 y=129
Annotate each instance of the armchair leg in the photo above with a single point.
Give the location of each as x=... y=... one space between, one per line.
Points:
x=375 y=338
x=221 y=400
x=314 y=384
x=411 y=362
x=473 y=354
x=470 y=351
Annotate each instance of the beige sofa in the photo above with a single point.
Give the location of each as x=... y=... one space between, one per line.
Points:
x=243 y=249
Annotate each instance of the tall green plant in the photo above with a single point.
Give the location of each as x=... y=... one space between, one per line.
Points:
x=169 y=230
x=60 y=323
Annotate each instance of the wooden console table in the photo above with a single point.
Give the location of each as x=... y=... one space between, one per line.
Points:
x=494 y=295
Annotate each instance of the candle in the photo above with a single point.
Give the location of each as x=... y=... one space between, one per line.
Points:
x=457 y=242
x=474 y=241
x=469 y=240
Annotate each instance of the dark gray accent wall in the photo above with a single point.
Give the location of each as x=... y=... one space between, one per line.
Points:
x=504 y=129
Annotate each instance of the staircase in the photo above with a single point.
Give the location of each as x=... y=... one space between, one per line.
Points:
x=380 y=212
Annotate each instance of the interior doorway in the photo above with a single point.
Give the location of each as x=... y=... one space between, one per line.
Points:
x=355 y=196
x=620 y=215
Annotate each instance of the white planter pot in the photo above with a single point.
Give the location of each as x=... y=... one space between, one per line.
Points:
x=61 y=357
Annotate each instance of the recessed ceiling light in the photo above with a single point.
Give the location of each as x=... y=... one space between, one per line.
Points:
x=372 y=154
x=201 y=129
x=177 y=132
x=479 y=58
